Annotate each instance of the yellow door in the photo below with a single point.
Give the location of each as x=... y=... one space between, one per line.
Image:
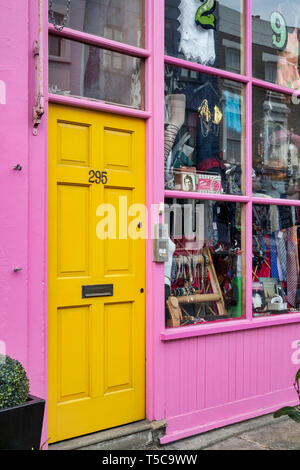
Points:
x=96 y=284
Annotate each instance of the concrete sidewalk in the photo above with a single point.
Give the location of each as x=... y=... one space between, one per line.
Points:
x=264 y=433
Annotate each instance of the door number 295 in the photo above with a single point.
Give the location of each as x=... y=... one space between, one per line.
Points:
x=98 y=177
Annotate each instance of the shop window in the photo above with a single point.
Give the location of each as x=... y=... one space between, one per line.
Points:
x=97 y=17
x=204 y=275
x=275 y=32
x=276 y=145
x=99 y=74
x=196 y=32
x=275 y=271
x=204 y=133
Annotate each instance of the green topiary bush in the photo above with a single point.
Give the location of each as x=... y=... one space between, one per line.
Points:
x=14 y=384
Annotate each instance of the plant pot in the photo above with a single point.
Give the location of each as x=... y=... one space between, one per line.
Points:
x=21 y=426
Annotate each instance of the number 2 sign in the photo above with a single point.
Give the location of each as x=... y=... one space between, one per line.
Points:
x=279 y=27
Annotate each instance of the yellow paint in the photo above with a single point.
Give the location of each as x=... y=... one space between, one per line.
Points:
x=97 y=345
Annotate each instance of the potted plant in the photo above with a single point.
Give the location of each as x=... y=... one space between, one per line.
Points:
x=21 y=414
x=292 y=411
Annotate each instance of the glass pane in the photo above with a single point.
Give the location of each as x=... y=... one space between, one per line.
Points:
x=205 y=270
x=275 y=38
x=276 y=145
x=204 y=132
x=209 y=33
x=90 y=72
x=275 y=260
x=112 y=19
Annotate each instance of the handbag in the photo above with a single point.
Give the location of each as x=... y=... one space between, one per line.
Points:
x=174 y=311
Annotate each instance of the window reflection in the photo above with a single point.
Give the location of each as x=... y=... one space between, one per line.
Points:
x=275 y=37
x=112 y=19
x=91 y=72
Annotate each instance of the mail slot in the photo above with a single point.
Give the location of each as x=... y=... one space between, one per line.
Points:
x=100 y=290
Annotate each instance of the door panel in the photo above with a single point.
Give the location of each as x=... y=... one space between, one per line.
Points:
x=96 y=345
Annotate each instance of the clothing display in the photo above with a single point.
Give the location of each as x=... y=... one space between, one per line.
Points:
x=206 y=99
x=204 y=271
x=197 y=44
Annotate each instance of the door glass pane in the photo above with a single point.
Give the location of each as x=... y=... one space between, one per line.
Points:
x=275 y=41
x=112 y=19
x=209 y=33
x=275 y=271
x=276 y=145
x=204 y=275
x=204 y=133
x=90 y=72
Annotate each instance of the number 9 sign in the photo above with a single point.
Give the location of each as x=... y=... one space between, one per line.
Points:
x=278 y=25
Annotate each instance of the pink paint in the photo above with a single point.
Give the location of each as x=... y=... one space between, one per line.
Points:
x=23 y=206
x=197 y=378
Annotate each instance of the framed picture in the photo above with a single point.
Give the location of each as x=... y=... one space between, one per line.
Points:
x=259 y=303
x=185 y=181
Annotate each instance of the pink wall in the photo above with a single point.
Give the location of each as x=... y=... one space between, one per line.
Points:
x=23 y=221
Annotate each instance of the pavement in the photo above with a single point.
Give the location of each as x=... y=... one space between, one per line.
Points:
x=263 y=433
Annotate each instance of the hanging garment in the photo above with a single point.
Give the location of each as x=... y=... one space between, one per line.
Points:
x=273 y=256
x=196 y=43
x=232 y=111
x=287 y=65
x=281 y=254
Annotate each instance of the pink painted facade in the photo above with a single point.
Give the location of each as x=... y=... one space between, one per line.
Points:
x=197 y=378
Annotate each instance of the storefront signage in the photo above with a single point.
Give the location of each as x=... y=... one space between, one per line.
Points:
x=278 y=25
x=204 y=16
